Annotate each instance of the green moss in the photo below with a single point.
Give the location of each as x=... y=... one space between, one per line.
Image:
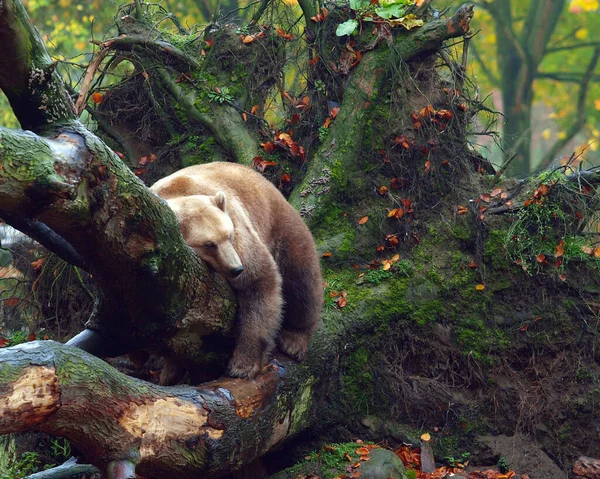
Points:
x=428 y=312
x=494 y=250
x=358 y=381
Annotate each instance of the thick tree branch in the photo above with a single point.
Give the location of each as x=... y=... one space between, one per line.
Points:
x=539 y=26
x=317 y=190
x=572 y=47
x=31 y=84
x=579 y=122
x=164 y=432
x=47 y=238
x=567 y=77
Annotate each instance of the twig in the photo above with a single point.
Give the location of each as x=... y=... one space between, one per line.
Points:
x=87 y=79
x=580 y=121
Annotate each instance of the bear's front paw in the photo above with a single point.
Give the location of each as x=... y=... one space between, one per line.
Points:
x=243 y=369
x=293 y=343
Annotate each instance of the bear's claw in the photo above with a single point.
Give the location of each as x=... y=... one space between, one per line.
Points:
x=293 y=343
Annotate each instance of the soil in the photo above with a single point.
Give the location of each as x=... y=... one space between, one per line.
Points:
x=524 y=456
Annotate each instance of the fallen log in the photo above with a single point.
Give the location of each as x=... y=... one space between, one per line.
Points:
x=123 y=424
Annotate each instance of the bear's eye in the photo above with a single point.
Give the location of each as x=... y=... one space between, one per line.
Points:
x=210 y=244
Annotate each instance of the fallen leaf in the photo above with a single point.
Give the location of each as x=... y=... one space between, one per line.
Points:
x=426 y=437
x=11 y=302
x=559 y=249
x=334 y=111
x=35 y=265
x=383 y=190
x=247 y=39
x=363 y=220
x=286 y=36
x=480 y=287
x=462 y=210
x=327 y=254
x=541 y=258
x=362 y=451
x=97 y=98
x=472 y=264
x=3 y=342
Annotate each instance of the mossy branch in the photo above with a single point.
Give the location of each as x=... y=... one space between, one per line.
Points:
x=31 y=84
x=338 y=157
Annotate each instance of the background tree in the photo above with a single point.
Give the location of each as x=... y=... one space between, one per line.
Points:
x=546 y=53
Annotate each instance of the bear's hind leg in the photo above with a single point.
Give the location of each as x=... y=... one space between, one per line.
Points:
x=259 y=319
x=303 y=295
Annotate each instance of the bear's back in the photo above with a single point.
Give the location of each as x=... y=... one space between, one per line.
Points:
x=268 y=210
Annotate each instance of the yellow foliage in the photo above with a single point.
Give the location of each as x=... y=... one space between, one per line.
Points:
x=546 y=134
x=578 y=6
x=582 y=34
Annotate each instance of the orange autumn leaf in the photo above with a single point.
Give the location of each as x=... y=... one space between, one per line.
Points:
x=35 y=265
x=3 y=342
x=327 y=254
x=396 y=213
x=314 y=61
x=269 y=147
x=363 y=220
x=560 y=250
x=587 y=249
x=495 y=192
x=472 y=264
x=362 y=451
x=426 y=437
x=444 y=114
x=244 y=116
x=480 y=287
x=596 y=252
x=383 y=190
x=347 y=456
x=247 y=39
x=327 y=122
x=562 y=277
x=541 y=258
x=334 y=111
x=97 y=98
x=334 y=294
x=286 y=36
x=287 y=139
x=462 y=210
x=254 y=109
x=11 y=302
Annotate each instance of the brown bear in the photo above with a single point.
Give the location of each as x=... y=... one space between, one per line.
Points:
x=245 y=230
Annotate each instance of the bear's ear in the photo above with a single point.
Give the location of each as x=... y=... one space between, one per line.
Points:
x=220 y=200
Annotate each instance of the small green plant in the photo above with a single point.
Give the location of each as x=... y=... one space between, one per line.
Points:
x=61 y=448
x=503 y=465
x=27 y=464
x=17 y=337
x=243 y=30
x=376 y=276
x=323 y=133
x=320 y=86
x=411 y=474
x=396 y=12
x=220 y=95
x=457 y=461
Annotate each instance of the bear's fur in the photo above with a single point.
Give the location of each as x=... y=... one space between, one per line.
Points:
x=235 y=219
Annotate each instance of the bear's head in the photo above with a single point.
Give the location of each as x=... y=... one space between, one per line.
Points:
x=208 y=229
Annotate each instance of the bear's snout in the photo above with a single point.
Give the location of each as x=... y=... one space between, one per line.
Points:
x=235 y=272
